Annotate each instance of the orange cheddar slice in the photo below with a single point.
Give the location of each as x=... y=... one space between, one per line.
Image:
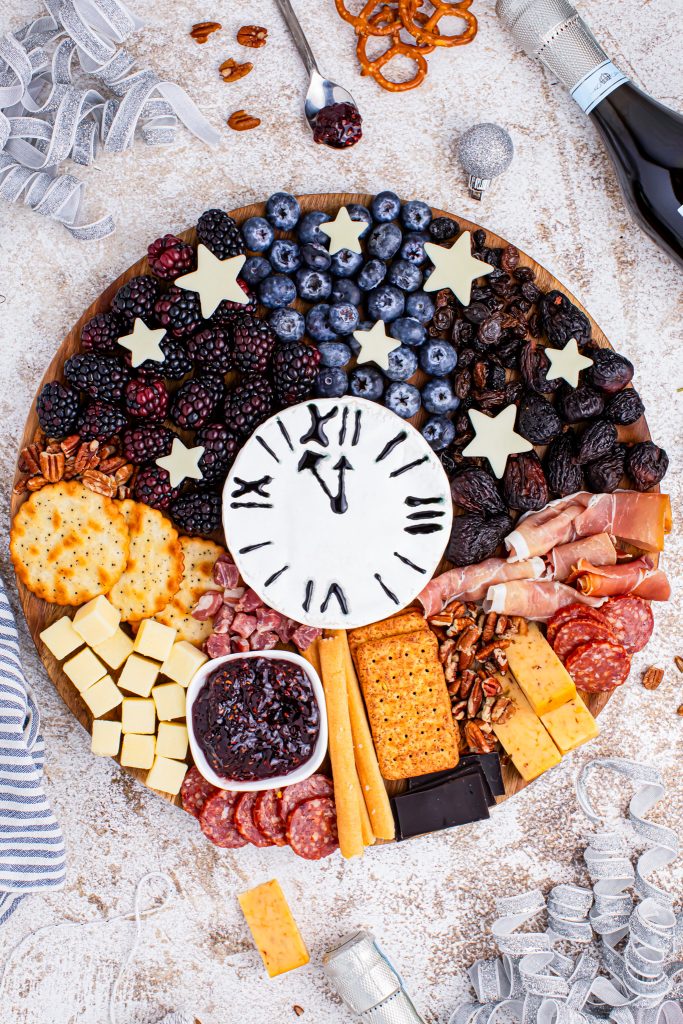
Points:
x=273 y=928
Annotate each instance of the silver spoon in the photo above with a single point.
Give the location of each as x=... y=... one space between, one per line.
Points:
x=321 y=91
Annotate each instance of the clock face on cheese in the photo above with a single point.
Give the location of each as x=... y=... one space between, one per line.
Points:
x=337 y=512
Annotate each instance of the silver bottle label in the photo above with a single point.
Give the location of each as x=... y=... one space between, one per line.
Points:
x=596 y=86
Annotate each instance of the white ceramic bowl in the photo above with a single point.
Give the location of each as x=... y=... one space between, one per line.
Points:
x=304 y=771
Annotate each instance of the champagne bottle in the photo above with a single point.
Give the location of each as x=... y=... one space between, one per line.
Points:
x=643 y=138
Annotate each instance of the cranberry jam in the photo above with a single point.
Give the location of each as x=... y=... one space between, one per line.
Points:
x=256 y=718
x=338 y=125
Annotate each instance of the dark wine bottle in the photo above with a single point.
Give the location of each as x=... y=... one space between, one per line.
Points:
x=643 y=137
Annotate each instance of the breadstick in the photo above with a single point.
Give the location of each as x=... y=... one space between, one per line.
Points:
x=341 y=747
x=369 y=838
x=312 y=655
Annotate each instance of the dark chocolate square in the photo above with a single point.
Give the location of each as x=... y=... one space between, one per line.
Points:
x=455 y=801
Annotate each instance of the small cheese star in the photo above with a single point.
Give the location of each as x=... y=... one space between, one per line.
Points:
x=455 y=268
x=143 y=343
x=214 y=280
x=182 y=463
x=567 y=363
x=375 y=345
x=343 y=232
x=495 y=438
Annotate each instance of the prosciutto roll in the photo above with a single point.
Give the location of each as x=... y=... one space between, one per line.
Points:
x=537 y=533
x=638 y=577
x=471 y=582
x=599 y=550
x=534 y=599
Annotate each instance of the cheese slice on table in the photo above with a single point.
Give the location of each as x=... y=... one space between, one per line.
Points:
x=571 y=725
x=97 y=620
x=115 y=650
x=539 y=671
x=524 y=736
x=273 y=928
x=61 y=638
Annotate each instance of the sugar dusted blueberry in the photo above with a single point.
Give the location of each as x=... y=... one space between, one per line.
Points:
x=384 y=241
x=360 y=213
x=345 y=263
x=438 y=432
x=331 y=382
x=402 y=364
x=318 y=323
x=309 y=228
x=344 y=317
x=255 y=269
x=385 y=303
x=403 y=399
x=334 y=353
x=416 y=215
x=345 y=290
x=283 y=211
x=313 y=285
x=405 y=275
x=413 y=248
x=438 y=397
x=421 y=306
x=276 y=291
x=438 y=357
x=367 y=382
x=258 y=234
x=287 y=324
x=315 y=257
x=385 y=206
x=285 y=256
x=408 y=331
x=372 y=274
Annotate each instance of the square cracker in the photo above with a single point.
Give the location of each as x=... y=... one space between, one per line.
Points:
x=408 y=704
x=409 y=622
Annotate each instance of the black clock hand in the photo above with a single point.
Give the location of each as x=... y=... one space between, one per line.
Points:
x=310 y=460
x=339 y=502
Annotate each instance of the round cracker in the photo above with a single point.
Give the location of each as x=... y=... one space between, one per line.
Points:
x=155 y=563
x=200 y=556
x=69 y=544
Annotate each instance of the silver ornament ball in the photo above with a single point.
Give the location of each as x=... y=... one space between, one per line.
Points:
x=485 y=151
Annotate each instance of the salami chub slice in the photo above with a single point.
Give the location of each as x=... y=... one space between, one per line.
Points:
x=195 y=791
x=217 y=820
x=268 y=819
x=244 y=821
x=292 y=796
x=598 y=666
x=312 y=828
x=577 y=632
x=568 y=613
x=631 y=621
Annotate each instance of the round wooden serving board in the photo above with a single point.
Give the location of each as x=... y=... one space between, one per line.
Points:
x=40 y=614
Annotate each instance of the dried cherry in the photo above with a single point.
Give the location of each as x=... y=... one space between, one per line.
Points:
x=562 y=320
x=610 y=371
x=534 y=365
x=582 y=403
x=537 y=421
x=475 y=490
x=524 y=483
x=474 y=537
x=562 y=471
x=597 y=440
x=604 y=475
x=626 y=407
x=646 y=464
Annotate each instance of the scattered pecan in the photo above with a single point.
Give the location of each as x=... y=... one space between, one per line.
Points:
x=203 y=29
x=123 y=474
x=466 y=682
x=502 y=624
x=52 y=465
x=678 y=662
x=87 y=456
x=653 y=677
x=35 y=483
x=29 y=460
x=459 y=709
x=100 y=483
x=469 y=639
x=475 y=699
x=479 y=741
x=490 y=623
x=110 y=463
x=253 y=36
x=446 y=649
x=502 y=710
x=21 y=486
x=240 y=121
x=298 y=1010
x=501 y=660
x=488 y=649
x=679 y=710
x=70 y=445
x=231 y=71
x=491 y=686
x=459 y=623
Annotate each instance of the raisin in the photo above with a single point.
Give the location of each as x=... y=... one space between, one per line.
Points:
x=604 y=475
x=597 y=440
x=507 y=353
x=534 y=365
x=562 y=320
x=443 y=319
x=495 y=377
x=582 y=403
x=537 y=421
x=610 y=372
x=463 y=333
x=524 y=483
x=475 y=490
x=626 y=407
x=490 y=330
x=475 y=313
x=562 y=471
x=479 y=238
x=466 y=357
x=509 y=259
x=474 y=538
x=530 y=291
x=462 y=384
x=646 y=464
x=513 y=391
x=524 y=274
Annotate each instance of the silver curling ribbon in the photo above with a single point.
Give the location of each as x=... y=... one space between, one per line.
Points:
x=367 y=982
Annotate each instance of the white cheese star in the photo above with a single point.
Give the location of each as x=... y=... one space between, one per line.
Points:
x=455 y=268
x=182 y=463
x=567 y=363
x=143 y=343
x=375 y=345
x=214 y=280
x=343 y=232
x=495 y=438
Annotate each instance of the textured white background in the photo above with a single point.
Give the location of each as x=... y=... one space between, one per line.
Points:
x=429 y=901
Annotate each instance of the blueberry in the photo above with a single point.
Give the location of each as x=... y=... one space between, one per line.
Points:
x=315 y=257
x=384 y=241
x=345 y=263
x=344 y=290
x=372 y=274
x=258 y=234
x=366 y=382
x=421 y=306
x=309 y=226
x=313 y=285
x=334 y=353
x=404 y=275
x=413 y=248
x=385 y=303
x=287 y=324
x=408 y=331
x=402 y=364
x=255 y=269
x=385 y=206
x=283 y=211
x=403 y=399
x=443 y=228
x=331 y=383
x=439 y=398
x=360 y=213
x=343 y=317
x=438 y=357
x=318 y=323
x=276 y=291
x=416 y=215
x=285 y=256
x=439 y=432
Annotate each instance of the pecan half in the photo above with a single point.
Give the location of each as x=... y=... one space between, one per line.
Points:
x=87 y=456
x=240 y=121
x=29 y=460
x=253 y=36
x=70 y=445
x=203 y=29
x=231 y=71
x=479 y=741
x=458 y=709
x=469 y=638
x=110 y=464
x=100 y=483
x=502 y=710
x=52 y=466
x=35 y=483
x=678 y=662
x=466 y=682
x=490 y=623
x=491 y=686
x=475 y=699
x=652 y=678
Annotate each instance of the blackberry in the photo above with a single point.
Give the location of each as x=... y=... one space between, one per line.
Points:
x=220 y=448
x=253 y=344
x=228 y=310
x=220 y=233
x=214 y=382
x=136 y=298
x=179 y=311
x=169 y=257
x=211 y=349
x=197 y=513
x=99 y=421
x=102 y=377
x=295 y=368
x=145 y=442
x=57 y=407
x=147 y=400
x=193 y=404
x=153 y=487
x=249 y=404
x=176 y=363
x=102 y=332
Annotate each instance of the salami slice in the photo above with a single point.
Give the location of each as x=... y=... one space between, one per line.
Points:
x=244 y=821
x=600 y=665
x=267 y=817
x=292 y=796
x=577 y=632
x=312 y=828
x=631 y=620
x=217 y=820
x=195 y=791
x=571 y=611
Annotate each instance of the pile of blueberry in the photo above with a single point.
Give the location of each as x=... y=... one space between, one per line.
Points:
x=349 y=291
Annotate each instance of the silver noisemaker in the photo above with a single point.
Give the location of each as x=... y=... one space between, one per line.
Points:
x=368 y=984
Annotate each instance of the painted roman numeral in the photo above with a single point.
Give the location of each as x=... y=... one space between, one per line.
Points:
x=335 y=591
x=316 y=431
x=257 y=487
x=390 y=594
x=264 y=444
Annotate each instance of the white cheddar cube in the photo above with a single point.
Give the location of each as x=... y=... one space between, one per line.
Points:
x=139 y=675
x=97 y=621
x=137 y=751
x=104 y=696
x=115 y=650
x=172 y=740
x=84 y=669
x=154 y=639
x=138 y=715
x=170 y=701
x=166 y=775
x=183 y=662
x=61 y=638
x=106 y=737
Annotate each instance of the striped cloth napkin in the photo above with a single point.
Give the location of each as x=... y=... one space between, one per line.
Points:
x=32 y=857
